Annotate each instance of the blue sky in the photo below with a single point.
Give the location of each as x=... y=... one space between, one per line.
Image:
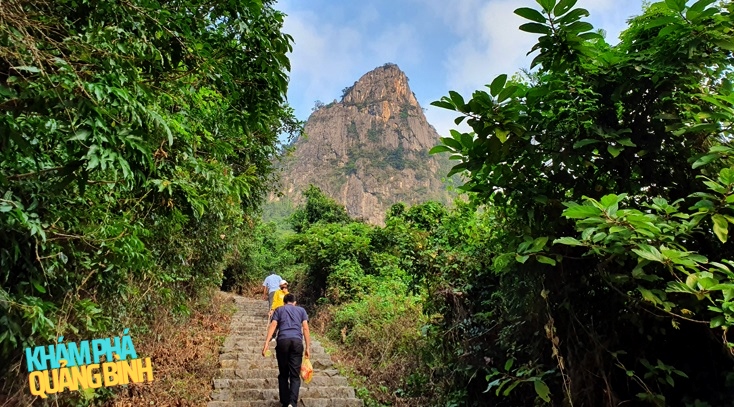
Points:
x=441 y=45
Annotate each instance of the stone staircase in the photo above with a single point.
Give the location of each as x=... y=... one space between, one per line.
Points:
x=247 y=379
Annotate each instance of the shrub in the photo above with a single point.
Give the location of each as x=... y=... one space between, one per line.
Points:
x=346 y=282
x=380 y=326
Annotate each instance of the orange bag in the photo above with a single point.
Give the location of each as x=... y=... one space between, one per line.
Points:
x=306 y=370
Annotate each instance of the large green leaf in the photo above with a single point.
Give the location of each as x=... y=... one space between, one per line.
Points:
x=536 y=28
x=440 y=149
x=467 y=140
x=705 y=160
x=614 y=150
x=626 y=142
x=589 y=36
x=546 y=260
x=727 y=44
x=497 y=84
x=721 y=227
x=444 y=104
x=664 y=20
x=570 y=241
x=531 y=14
x=455 y=144
x=581 y=211
x=649 y=253
x=649 y=295
x=547 y=5
x=501 y=134
x=584 y=142
x=573 y=15
x=542 y=390
x=717 y=321
x=31 y=69
x=676 y=5
x=457 y=99
x=507 y=93
x=39 y=287
x=563 y=6
x=457 y=169
x=700 y=5
x=579 y=27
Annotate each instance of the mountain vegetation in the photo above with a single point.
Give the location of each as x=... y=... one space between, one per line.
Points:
x=136 y=144
x=368 y=151
x=610 y=167
x=590 y=265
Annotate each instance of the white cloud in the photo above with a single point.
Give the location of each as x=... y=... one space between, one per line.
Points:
x=324 y=56
x=396 y=42
x=368 y=15
x=331 y=52
x=490 y=43
x=335 y=46
x=494 y=46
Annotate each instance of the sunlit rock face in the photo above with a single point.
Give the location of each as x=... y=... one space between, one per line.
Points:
x=368 y=151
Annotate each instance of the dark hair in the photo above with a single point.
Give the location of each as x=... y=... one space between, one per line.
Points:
x=289 y=299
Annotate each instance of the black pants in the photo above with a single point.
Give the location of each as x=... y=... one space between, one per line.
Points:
x=289 y=353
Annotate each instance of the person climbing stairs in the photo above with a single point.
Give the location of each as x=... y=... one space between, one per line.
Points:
x=247 y=379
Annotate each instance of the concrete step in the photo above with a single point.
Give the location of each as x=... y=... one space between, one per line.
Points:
x=235 y=337
x=333 y=402
x=254 y=364
x=247 y=330
x=319 y=392
x=250 y=331
x=272 y=382
x=250 y=348
x=253 y=322
x=258 y=362
x=230 y=373
x=319 y=360
x=247 y=379
x=303 y=402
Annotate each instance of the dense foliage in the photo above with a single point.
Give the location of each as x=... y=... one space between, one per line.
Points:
x=635 y=307
x=136 y=139
x=593 y=266
x=366 y=285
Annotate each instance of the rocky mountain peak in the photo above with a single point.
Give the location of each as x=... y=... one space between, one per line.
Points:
x=368 y=151
x=383 y=84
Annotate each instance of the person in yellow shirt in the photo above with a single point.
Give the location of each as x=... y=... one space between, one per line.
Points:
x=278 y=297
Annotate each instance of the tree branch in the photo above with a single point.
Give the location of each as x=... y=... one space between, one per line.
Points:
x=31 y=174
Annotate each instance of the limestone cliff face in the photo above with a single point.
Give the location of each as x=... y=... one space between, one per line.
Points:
x=368 y=151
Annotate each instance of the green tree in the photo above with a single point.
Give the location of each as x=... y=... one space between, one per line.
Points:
x=595 y=119
x=136 y=138
x=318 y=208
